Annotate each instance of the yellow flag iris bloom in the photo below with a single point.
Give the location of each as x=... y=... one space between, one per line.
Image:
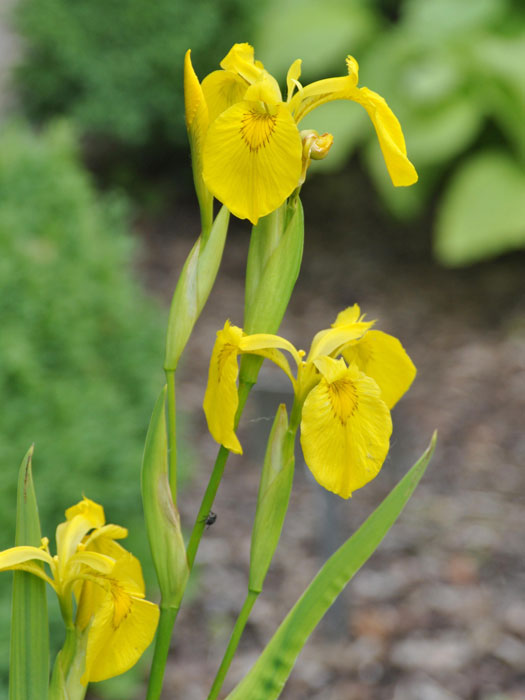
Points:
x=345 y=387
x=106 y=582
x=251 y=152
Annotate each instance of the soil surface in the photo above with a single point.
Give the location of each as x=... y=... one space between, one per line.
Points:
x=438 y=613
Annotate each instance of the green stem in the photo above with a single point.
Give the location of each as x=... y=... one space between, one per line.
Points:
x=213 y=484
x=233 y=644
x=162 y=647
x=172 y=435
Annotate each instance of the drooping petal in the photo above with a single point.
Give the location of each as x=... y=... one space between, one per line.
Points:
x=252 y=158
x=123 y=623
x=345 y=428
x=390 y=136
x=262 y=341
x=13 y=557
x=382 y=357
x=387 y=127
x=221 y=398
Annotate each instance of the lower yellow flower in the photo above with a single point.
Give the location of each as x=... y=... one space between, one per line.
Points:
x=107 y=583
x=351 y=378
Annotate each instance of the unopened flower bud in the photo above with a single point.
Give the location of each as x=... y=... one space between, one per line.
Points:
x=315 y=147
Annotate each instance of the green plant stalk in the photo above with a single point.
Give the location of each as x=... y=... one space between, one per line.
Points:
x=167 y=618
x=172 y=435
x=236 y=635
x=168 y=614
x=213 y=483
x=252 y=595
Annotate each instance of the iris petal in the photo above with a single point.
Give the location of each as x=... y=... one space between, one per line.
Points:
x=221 y=398
x=252 y=159
x=345 y=428
x=382 y=357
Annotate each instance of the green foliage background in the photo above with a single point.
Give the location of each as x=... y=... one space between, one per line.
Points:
x=79 y=342
x=115 y=67
x=454 y=75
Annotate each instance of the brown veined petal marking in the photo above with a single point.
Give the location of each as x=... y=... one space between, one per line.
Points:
x=252 y=159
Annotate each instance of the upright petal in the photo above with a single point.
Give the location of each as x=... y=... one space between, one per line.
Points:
x=221 y=398
x=349 y=325
x=221 y=90
x=382 y=357
x=252 y=158
x=345 y=428
x=240 y=59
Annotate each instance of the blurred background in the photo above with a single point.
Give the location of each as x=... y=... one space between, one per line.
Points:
x=97 y=215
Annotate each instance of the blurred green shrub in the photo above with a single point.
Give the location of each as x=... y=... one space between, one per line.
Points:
x=454 y=74
x=79 y=342
x=115 y=67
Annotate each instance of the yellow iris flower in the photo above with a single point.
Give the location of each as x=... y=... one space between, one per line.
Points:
x=251 y=154
x=106 y=582
x=345 y=388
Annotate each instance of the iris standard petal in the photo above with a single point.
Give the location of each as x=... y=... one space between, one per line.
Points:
x=221 y=90
x=252 y=159
x=382 y=357
x=240 y=59
x=221 y=398
x=345 y=428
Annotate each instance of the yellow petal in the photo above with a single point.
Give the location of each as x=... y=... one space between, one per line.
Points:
x=390 y=136
x=89 y=509
x=196 y=109
x=14 y=557
x=122 y=627
x=252 y=159
x=240 y=59
x=330 y=341
x=352 y=314
x=345 y=428
x=221 y=398
x=382 y=357
x=292 y=78
x=68 y=537
x=387 y=127
x=221 y=90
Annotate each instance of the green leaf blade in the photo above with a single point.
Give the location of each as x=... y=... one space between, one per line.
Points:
x=267 y=677
x=29 y=654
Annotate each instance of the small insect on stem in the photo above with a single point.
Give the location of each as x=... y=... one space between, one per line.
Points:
x=209 y=519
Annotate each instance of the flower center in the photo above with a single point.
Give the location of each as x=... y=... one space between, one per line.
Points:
x=343 y=397
x=257 y=129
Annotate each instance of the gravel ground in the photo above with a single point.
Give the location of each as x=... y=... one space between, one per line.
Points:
x=438 y=612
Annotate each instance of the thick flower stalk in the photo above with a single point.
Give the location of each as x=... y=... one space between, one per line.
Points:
x=345 y=388
x=251 y=152
x=112 y=620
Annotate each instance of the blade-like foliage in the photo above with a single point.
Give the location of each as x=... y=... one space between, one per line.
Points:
x=29 y=658
x=267 y=677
